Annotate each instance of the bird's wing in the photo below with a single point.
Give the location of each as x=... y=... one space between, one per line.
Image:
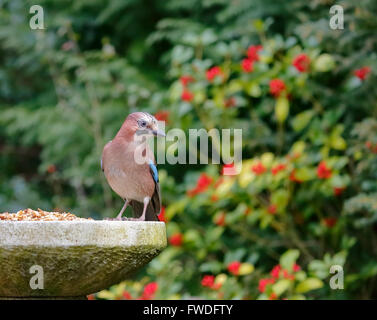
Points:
x=156 y=198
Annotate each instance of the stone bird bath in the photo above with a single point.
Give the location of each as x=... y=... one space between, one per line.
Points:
x=77 y=257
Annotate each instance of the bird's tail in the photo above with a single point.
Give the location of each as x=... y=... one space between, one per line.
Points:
x=137 y=208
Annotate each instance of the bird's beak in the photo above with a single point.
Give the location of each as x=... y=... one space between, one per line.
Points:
x=158 y=133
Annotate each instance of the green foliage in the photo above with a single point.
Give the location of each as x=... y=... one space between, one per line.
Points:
x=306 y=195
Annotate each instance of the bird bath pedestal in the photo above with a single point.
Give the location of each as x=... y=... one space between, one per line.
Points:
x=71 y=259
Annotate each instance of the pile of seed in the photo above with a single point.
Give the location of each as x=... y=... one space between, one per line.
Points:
x=40 y=215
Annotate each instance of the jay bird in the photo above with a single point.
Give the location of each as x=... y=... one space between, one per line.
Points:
x=137 y=184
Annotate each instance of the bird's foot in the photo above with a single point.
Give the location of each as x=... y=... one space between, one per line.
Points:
x=132 y=219
x=113 y=219
x=123 y=219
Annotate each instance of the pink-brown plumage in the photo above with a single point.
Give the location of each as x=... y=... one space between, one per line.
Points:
x=130 y=180
x=127 y=178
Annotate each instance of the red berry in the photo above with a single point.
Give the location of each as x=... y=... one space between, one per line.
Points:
x=185 y=80
x=276 y=87
x=230 y=102
x=247 y=65
x=288 y=276
x=202 y=185
x=273 y=296
x=176 y=239
x=330 y=222
x=301 y=62
x=362 y=72
x=214 y=198
x=234 y=267
x=276 y=169
x=272 y=208
x=162 y=216
x=187 y=95
x=296 y=267
x=126 y=295
x=213 y=72
x=208 y=281
x=323 y=172
x=162 y=115
x=338 y=190
x=149 y=290
x=51 y=168
x=275 y=272
x=264 y=282
x=293 y=177
x=258 y=168
x=252 y=52
x=220 y=219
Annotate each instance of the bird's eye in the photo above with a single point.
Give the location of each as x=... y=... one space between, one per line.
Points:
x=143 y=123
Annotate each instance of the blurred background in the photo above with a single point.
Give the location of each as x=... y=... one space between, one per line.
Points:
x=304 y=95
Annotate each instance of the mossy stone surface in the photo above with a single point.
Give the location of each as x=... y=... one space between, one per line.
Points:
x=77 y=257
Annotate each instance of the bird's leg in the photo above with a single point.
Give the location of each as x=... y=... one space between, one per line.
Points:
x=119 y=216
x=141 y=218
x=146 y=202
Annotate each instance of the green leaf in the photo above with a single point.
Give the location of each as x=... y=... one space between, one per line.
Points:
x=254 y=90
x=280 y=198
x=302 y=120
x=281 y=109
x=208 y=37
x=214 y=267
x=298 y=147
x=304 y=174
x=338 y=143
x=258 y=25
x=245 y=268
x=105 y=294
x=297 y=297
x=300 y=275
x=289 y=258
x=214 y=234
x=235 y=255
x=308 y=285
x=339 y=258
x=281 y=286
x=324 y=63
x=234 y=86
x=265 y=221
x=318 y=268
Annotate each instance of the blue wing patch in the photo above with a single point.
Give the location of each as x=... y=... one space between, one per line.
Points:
x=153 y=171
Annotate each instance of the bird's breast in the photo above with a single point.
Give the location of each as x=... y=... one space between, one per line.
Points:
x=132 y=183
x=115 y=172
x=130 y=180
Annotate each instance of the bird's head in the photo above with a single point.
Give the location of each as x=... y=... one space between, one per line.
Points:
x=142 y=124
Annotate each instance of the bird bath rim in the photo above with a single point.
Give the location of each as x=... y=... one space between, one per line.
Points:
x=55 y=232
x=78 y=257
